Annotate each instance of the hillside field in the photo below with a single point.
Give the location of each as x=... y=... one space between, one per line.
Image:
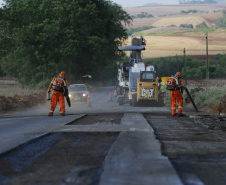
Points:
x=172 y=45
x=176 y=20
x=165 y=40
x=166 y=10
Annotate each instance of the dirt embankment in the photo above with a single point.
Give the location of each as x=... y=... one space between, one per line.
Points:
x=20 y=102
x=14 y=97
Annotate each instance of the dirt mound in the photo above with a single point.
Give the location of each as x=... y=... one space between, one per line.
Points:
x=221 y=106
x=18 y=102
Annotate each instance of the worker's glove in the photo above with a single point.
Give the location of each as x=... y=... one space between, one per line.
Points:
x=49 y=91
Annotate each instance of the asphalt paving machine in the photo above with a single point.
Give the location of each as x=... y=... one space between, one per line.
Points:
x=137 y=44
x=142 y=89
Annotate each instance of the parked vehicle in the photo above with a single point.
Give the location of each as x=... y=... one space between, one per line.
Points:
x=78 y=92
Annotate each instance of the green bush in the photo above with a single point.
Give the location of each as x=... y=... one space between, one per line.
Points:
x=186 y=26
x=143 y=15
x=202 y=25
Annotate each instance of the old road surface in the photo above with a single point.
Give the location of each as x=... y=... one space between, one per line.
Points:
x=108 y=144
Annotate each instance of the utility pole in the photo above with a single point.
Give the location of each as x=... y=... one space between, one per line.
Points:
x=169 y=67
x=185 y=72
x=207 y=62
x=177 y=63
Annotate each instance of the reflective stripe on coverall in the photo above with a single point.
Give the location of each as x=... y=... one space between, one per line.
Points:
x=177 y=96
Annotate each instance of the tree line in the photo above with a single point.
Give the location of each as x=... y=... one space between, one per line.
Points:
x=142 y=15
x=40 y=38
x=195 y=68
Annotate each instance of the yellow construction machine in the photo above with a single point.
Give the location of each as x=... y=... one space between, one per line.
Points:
x=147 y=93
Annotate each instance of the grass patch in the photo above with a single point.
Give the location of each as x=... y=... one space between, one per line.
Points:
x=210 y=97
x=10 y=87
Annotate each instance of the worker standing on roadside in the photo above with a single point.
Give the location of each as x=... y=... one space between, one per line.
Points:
x=162 y=90
x=176 y=95
x=59 y=85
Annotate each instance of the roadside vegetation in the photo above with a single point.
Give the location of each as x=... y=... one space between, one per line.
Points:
x=210 y=97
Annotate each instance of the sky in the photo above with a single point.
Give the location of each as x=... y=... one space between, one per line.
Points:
x=130 y=3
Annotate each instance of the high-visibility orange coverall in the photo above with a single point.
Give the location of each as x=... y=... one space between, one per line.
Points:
x=176 y=95
x=57 y=96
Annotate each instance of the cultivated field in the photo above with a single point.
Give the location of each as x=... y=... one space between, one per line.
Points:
x=176 y=20
x=164 y=41
x=173 y=9
x=172 y=45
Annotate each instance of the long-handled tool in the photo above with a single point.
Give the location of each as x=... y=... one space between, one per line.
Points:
x=66 y=95
x=186 y=89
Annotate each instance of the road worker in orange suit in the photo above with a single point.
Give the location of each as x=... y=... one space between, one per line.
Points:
x=59 y=85
x=176 y=95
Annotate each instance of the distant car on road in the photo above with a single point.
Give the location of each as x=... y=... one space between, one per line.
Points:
x=78 y=92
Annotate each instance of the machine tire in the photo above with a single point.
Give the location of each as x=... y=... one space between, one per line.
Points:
x=120 y=101
x=134 y=100
x=121 y=91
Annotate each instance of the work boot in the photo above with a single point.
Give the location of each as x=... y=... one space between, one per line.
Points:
x=174 y=115
x=181 y=115
x=62 y=114
x=50 y=114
